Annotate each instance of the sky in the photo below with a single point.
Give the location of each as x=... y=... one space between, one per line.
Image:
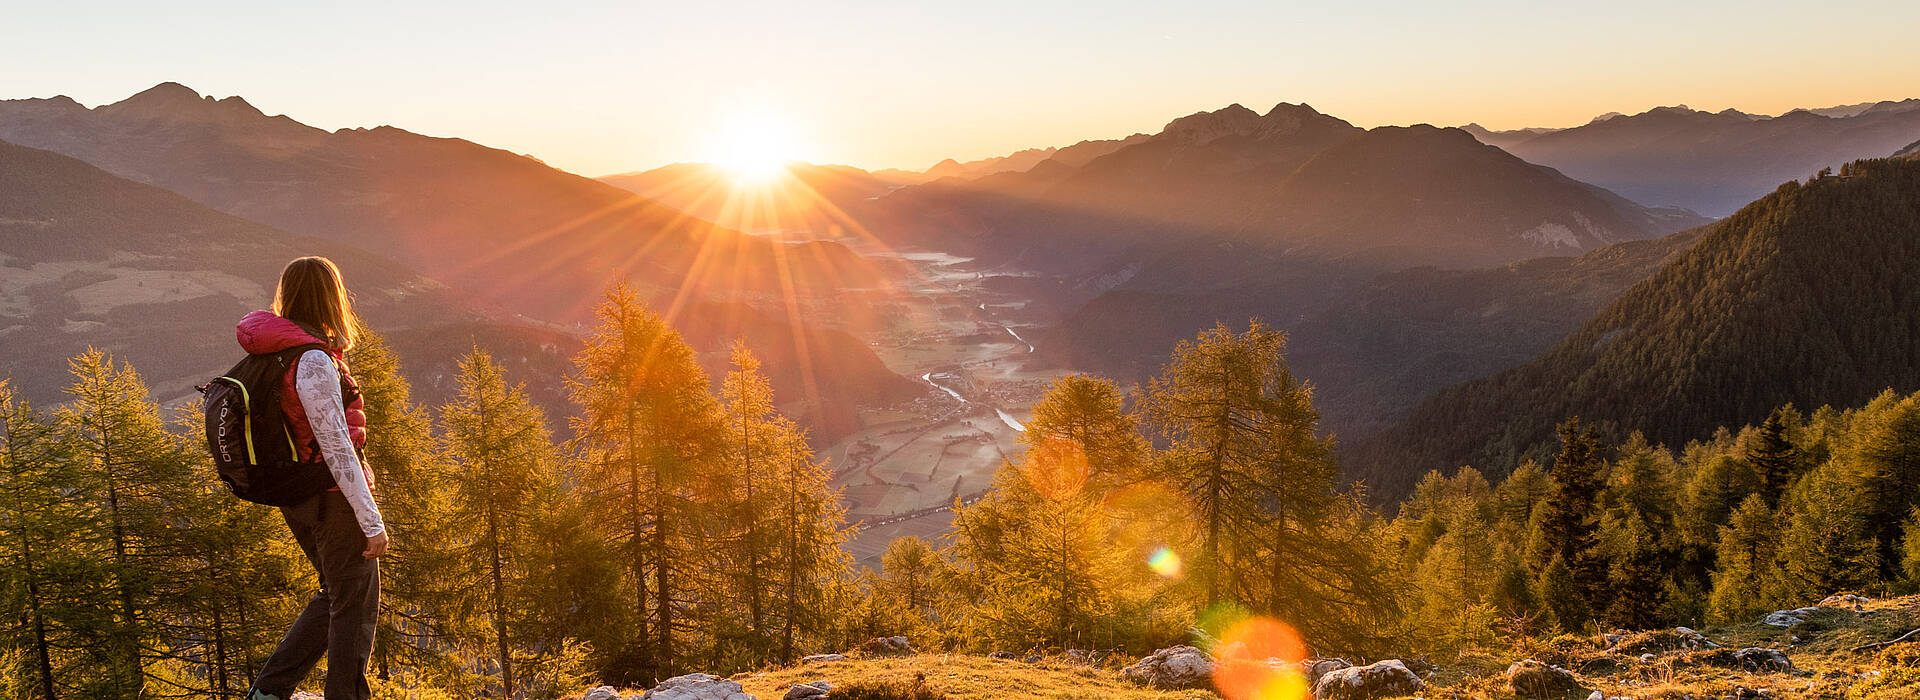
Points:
x=600 y=88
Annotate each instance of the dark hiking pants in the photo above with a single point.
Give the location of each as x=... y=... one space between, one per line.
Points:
x=338 y=623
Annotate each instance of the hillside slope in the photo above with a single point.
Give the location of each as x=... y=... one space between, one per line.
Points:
x=1806 y=296
x=92 y=260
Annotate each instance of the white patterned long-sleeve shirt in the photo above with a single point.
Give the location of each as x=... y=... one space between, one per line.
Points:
x=318 y=384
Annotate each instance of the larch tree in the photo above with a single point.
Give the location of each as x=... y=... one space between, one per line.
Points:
x=651 y=434
x=48 y=552
x=505 y=455
x=132 y=468
x=418 y=593
x=1244 y=454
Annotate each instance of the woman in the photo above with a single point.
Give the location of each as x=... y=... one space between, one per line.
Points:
x=340 y=530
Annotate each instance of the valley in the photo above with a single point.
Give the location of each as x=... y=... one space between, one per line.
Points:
x=907 y=463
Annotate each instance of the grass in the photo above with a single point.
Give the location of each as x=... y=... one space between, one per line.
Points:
x=965 y=676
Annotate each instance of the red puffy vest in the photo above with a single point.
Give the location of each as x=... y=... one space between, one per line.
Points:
x=263 y=332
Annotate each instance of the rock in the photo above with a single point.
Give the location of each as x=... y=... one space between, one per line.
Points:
x=1788 y=618
x=801 y=691
x=1313 y=669
x=1002 y=655
x=884 y=646
x=1031 y=659
x=605 y=692
x=1532 y=678
x=696 y=686
x=822 y=658
x=1172 y=668
x=1845 y=601
x=1081 y=656
x=308 y=696
x=1421 y=667
x=1763 y=660
x=1388 y=678
x=1741 y=692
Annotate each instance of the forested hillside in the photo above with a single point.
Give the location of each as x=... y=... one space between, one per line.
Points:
x=1805 y=296
x=671 y=528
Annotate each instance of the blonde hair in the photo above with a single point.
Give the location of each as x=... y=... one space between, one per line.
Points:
x=312 y=294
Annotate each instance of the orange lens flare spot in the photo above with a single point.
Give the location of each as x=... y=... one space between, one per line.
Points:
x=1259 y=659
x=1057 y=468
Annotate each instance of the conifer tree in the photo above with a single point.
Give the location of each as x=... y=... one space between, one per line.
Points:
x=652 y=433
x=1773 y=455
x=1887 y=462
x=1569 y=522
x=501 y=444
x=1746 y=559
x=130 y=467
x=419 y=592
x=1562 y=595
x=48 y=555
x=1244 y=452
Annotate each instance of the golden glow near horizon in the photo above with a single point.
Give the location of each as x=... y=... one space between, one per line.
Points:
x=603 y=87
x=754 y=146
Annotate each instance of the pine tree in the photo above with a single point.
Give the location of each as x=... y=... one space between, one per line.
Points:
x=1569 y=523
x=501 y=443
x=652 y=432
x=1772 y=455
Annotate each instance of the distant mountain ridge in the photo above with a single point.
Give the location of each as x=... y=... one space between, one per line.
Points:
x=1714 y=163
x=88 y=259
x=1806 y=296
x=463 y=213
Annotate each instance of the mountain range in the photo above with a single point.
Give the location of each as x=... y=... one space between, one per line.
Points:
x=519 y=248
x=88 y=259
x=467 y=215
x=1715 y=162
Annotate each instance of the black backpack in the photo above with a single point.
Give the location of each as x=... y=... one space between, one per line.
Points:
x=248 y=435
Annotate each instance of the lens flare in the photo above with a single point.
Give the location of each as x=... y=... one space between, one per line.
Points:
x=1164 y=562
x=1259 y=658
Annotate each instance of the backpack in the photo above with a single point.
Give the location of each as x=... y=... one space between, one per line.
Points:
x=248 y=435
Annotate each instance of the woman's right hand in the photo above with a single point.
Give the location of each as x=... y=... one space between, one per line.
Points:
x=376 y=546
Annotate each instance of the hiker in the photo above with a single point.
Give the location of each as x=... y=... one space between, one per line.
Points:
x=339 y=528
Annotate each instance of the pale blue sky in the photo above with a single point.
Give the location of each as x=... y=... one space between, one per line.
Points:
x=607 y=87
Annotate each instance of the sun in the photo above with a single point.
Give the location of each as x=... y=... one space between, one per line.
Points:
x=754 y=146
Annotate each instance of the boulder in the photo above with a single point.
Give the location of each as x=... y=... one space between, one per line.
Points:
x=696 y=686
x=307 y=696
x=1741 y=692
x=1763 y=660
x=605 y=692
x=1390 y=678
x=1788 y=618
x=1314 y=669
x=1172 y=668
x=1003 y=655
x=1081 y=656
x=804 y=691
x=884 y=646
x=1532 y=678
x=1031 y=659
x=1845 y=601
x=822 y=658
